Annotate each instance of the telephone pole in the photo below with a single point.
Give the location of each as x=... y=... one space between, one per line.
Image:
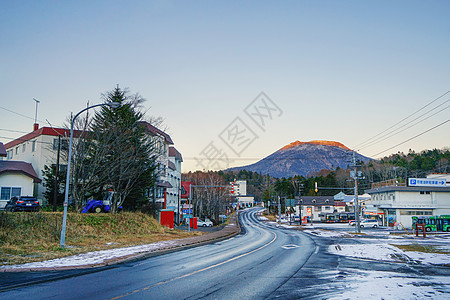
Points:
x=300 y=188
x=279 y=210
x=355 y=175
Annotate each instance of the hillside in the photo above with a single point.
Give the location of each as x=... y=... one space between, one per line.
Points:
x=303 y=158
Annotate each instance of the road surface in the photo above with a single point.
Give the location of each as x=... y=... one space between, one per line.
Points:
x=252 y=265
x=265 y=262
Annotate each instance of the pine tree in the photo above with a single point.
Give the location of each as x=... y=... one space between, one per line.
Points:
x=118 y=155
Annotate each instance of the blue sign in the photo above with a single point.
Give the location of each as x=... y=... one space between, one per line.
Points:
x=427 y=182
x=187 y=211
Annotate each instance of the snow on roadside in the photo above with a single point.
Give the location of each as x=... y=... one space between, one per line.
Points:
x=389 y=285
x=327 y=233
x=95 y=257
x=386 y=252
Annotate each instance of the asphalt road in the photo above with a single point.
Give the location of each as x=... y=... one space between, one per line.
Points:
x=265 y=262
x=252 y=265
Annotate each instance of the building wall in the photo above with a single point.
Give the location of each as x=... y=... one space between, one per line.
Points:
x=240 y=187
x=406 y=204
x=38 y=152
x=317 y=210
x=16 y=180
x=174 y=178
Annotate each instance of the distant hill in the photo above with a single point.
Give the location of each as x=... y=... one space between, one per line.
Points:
x=303 y=158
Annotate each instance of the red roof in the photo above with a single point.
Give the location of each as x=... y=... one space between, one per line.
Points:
x=18 y=167
x=155 y=131
x=185 y=189
x=41 y=131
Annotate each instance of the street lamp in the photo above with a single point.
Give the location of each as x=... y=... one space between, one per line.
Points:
x=66 y=195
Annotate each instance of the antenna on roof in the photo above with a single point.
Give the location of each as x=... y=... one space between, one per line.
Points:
x=36 y=125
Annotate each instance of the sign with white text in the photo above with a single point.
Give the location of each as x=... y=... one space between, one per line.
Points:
x=427 y=182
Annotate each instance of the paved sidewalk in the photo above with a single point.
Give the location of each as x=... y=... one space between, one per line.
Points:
x=114 y=256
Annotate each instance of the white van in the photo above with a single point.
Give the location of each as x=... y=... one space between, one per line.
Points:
x=369 y=223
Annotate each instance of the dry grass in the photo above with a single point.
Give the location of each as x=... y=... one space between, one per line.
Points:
x=422 y=248
x=29 y=237
x=272 y=218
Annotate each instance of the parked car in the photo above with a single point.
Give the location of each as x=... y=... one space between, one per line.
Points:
x=22 y=203
x=369 y=223
x=205 y=223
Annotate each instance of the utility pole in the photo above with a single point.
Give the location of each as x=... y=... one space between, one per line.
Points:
x=354 y=174
x=300 y=187
x=279 y=210
x=189 y=208
x=56 y=185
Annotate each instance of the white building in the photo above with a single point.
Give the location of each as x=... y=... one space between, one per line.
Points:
x=397 y=204
x=315 y=206
x=162 y=142
x=39 y=148
x=173 y=194
x=240 y=192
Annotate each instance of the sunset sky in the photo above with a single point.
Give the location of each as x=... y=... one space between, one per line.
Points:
x=329 y=70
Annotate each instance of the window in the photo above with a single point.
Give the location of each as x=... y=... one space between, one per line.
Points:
x=64 y=144
x=33 y=146
x=9 y=192
x=10 y=154
x=327 y=207
x=416 y=212
x=17 y=150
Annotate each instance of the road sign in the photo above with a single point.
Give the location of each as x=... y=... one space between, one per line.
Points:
x=427 y=182
x=290 y=202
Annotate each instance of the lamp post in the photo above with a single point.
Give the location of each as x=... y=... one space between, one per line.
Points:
x=66 y=195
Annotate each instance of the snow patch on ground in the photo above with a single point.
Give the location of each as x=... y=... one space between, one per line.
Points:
x=386 y=252
x=389 y=285
x=95 y=257
x=327 y=233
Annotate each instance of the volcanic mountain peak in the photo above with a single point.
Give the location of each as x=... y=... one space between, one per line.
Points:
x=315 y=142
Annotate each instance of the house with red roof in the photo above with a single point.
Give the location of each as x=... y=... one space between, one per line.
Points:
x=39 y=148
x=17 y=178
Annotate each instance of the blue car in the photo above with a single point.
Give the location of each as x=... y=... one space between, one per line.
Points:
x=22 y=203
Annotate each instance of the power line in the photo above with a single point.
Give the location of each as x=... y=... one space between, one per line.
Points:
x=393 y=133
x=24 y=140
x=19 y=114
x=377 y=135
x=422 y=133
x=259 y=158
x=10 y=130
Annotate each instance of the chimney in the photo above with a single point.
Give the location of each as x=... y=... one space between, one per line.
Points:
x=36 y=126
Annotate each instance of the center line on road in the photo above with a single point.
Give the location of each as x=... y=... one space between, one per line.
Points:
x=197 y=271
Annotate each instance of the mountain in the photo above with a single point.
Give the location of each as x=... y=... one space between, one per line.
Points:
x=304 y=158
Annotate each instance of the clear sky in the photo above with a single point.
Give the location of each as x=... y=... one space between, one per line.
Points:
x=336 y=70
